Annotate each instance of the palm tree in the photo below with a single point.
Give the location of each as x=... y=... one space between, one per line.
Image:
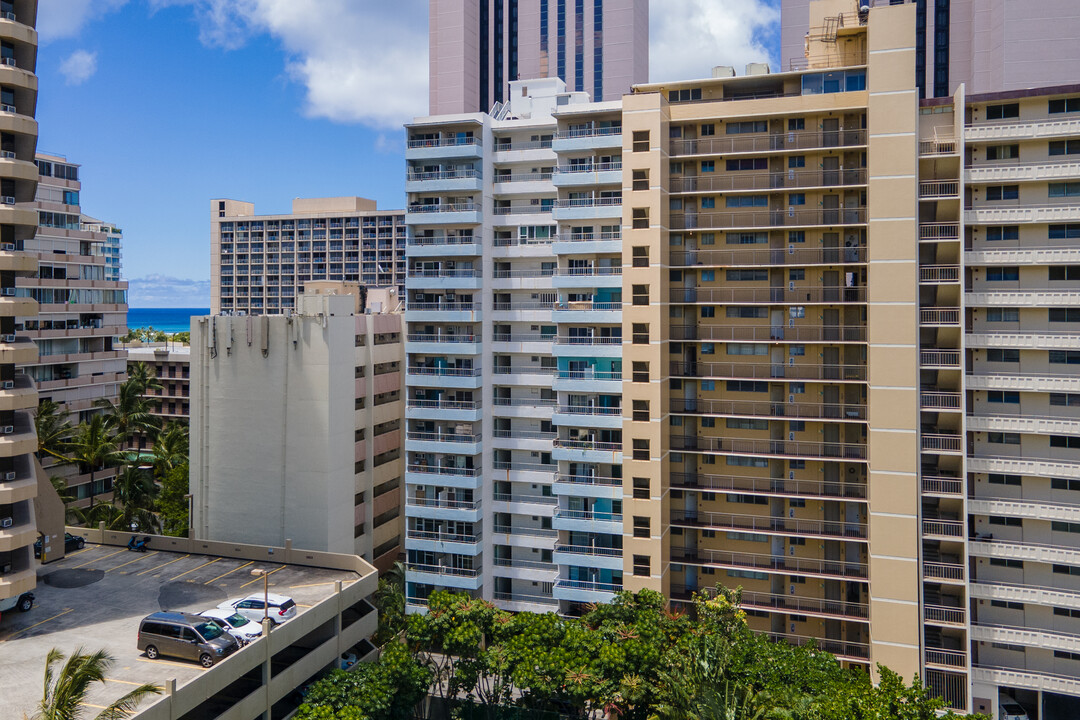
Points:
x=130 y=413
x=72 y=515
x=135 y=491
x=53 y=430
x=143 y=376
x=93 y=447
x=66 y=692
x=170 y=449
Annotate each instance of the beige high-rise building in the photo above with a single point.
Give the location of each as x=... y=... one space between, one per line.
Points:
x=260 y=264
x=296 y=425
x=29 y=507
x=478 y=47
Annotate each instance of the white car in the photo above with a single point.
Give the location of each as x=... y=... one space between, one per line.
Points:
x=235 y=624
x=281 y=608
x=1011 y=710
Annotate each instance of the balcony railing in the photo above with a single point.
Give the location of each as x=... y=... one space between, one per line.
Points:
x=591 y=236
x=522 y=274
x=943 y=528
x=564 y=584
x=522 y=209
x=944 y=615
x=564 y=203
x=443 y=404
x=446 y=371
x=769 y=295
x=506 y=465
x=939 y=274
x=942 y=443
x=446 y=208
x=442 y=570
x=463 y=174
x=521 y=338
x=589 y=550
x=768 y=371
x=526 y=499
x=521 y=177
x=789 y=217
x=767 y=524
x=524 y=564
x=590 y=340
x=442 y=273
x=940 y=400
x=793 y=604
x=764 y=143
x=452 y=141
x=441 y=338
x=948 y=658
x=587 y=445
x=939 y=231
x=841 y=648
x=443 y=470
x=603 y=131
x=442 y=437
x=589 y=480
x=789 y=255
x=594 y=168
x=765 y=333
x=810 y=411
x=743 y=446
x=768 y=486
x=940 y=358
x=783 y=564
x=523 y=370
x=590 y=410
x=939 y=317
x=523 y=435
x=588 y=272
x=585 y=305
x=523 y=305
x=525 y=402
x=942 y=486
x=527 y=531
x=728 y=182
x=426 y=241
x=589 y=375
x=943 y=571
x=441 y=306
x=591 y=515
x=939 y=188
x=437 y=536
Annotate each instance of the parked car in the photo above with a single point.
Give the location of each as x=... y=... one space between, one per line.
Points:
x=281 y=608
x=71 y=544
x=235 y=624
x=1010 y=710
x=22 y=603
x=189 y=637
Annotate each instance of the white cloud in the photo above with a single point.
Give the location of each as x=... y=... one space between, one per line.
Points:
x=723 y=32
x=65 y=18
x=79 y=67
x=163 y=291
x=362 y=61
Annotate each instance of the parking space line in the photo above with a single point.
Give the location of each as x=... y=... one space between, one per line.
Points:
x=259 y=579
x=294 y=587
x=152 y=552
x=194 y=569
x=126 y=682
x=96 y=707
x=100 y=558
x=31 y=627
x=80 y=552
x=166 y=662
x=158 y=567
x=231 y=571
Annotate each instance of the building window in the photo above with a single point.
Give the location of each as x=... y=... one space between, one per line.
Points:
x=1005 y=232
x=1003 y=274
x=641 y=141
x=641 y=449
x=1003 y=112
x=641 y=488
x=640 y=333
x=640 y=372
x=641 y=566
x=1003 y=192
x=641 y=527
x=1064 y=105
x=1007 y=152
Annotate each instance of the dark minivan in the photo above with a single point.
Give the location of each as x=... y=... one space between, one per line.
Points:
x=190 y=637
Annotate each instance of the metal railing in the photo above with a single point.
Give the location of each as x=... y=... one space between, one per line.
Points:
x=765 y=333
x=442 y=306
x=787 y=217
x=768 y=142
x=589 y=550
x=768 y=295
x=942 y=443
x=596 y=131
x=589 y=410
x=443 y=404
x=943 y=571
x=948 y=658
x=442 y=570
x=539 y=208
x=743 y=446
x=424 y=240
x=518 y=274
x=763 y=408
x=588 y=375
x=768 y=371
x=439 y=338
x=464 y=174
x=783 y=564
x=768 y=524
x=943 y=528
x=438 y=536
x=443 y=470
x=446 y=437
x=942 y=486
x=939 y=188
x=590 y=340
x=939 y=273
x=940 y=400
x=587 y=445
x=751 y=257
x=939 y=316
x=769 y=486
x=939 y=231
x=452 y=141
x=727 y=182
x=593 y=168
x=940 y=358
x=945 y=615
x=565 y=584
x=564 y=203
x=526 y=499
x=588 y=480
x=446 y=208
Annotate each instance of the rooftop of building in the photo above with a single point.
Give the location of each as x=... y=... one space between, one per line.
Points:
x=95 y=598
x=308 y=207
x=172 y=352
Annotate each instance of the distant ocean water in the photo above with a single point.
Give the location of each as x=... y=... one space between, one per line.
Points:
x=170 y=320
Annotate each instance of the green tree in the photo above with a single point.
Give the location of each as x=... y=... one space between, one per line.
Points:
x=134 y=492
x=143 y=376
x=53 y=431
x=129 y=413
x=93 y=447
x=173 y=502
x=390 y=602
x=182 y=337
x=388 y=689
x=66 y=691
x=170 y=449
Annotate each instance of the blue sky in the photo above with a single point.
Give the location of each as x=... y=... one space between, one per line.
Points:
x=169 y=103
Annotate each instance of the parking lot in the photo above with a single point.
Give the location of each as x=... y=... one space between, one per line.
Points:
x=95 y=598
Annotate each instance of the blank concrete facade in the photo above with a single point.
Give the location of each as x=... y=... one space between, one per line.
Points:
x=477 y=47
x=296 y=426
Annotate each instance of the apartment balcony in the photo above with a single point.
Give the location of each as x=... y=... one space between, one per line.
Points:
x=449 y=148
x=444 y=576
x=434 y=508
x=769 y=371
x=945 y=573
x=443 y=542
x=442 y=343
x=1045 y=255
x=532 y=440
x=588 y=381
x=1019 y=465
x=1024 y=424
x=794 y=527
x=1027 y=594
x=1018 y=550
x=443 y=443
x=22 y=578
x=586 y=451
x=1021 y=214
x=454 y=477
x=767 y=295
x=584 y=591
x=525 y=184
x=521 y=602
x=759 y=219
x=526 y=407
x=940 y=317
x=516 y=504
x=939 y=189
x=587 y=521
x=22 y=439
x=525 y=214
x=789 y=255
x=844 y=650
x=1027 y=679
x=527 y=537
x=769 y=143
x=527 y=472
x=464 y=180
x=770 y=333
x=1023 y=298
x=22 y=395
x=444 y=377
x=763 y=409
x=579 y=139
x=444 y=312
x=769 y=487
x=589 y=345
x=443 y=246
x=576 y=176
x=811 y=607
x=770 y=448
x=522 y=151
x=515 y=247
x=598 y=208
x=1041 y=382
x=765 y=181
x=931 y=147
x=591 y=486
x=23 y=486
x=940 y=359
x=1021 y=172
x=527 y=279
x=939 y=232
x=945 y=616
x=519 y=569
x=589 y=556
x=1021 y=131
x=447 y=410
x=524 y=343
x=20 y=264
x=527 y=375
x=1016 y=507
x=1024 y=340
x=588 y=243
x=945 y=487
x=588 y=312
x=944 y=530
x=1027 y=637
x=942 y=659
x=942 y=443
x=939 y=274
x=444 y=214
x=594 y=277
x=532 y=311
x=418 y=279
x=941 y=401
x=770 y=564
x=588 y=416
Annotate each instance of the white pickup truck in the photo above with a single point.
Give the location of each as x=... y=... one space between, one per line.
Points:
x=22 y=603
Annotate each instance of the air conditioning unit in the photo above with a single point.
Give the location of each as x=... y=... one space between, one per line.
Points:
x=7 y=247
x=9 y=16
x=8 y=338
x=7 y=155
x=9 y=291
x=9 y=384
x=8 y=61
x=9 y=108
x=6 y=522
x=5 y=569
x=7 y=199
x=8 y=429
x=9 y=475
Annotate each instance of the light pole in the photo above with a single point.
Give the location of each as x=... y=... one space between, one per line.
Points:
x=266 y=592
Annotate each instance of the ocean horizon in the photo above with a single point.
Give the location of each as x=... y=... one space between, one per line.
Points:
x=170 y=320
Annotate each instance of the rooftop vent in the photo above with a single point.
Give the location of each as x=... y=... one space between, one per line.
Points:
x=757 y=68
x=723 y=71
